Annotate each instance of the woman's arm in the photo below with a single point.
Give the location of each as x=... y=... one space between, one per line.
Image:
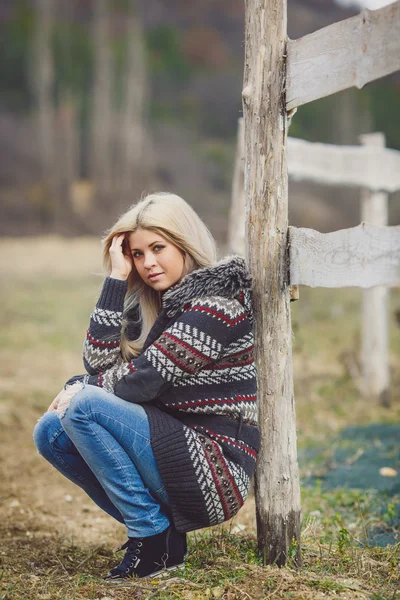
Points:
x=101 y=349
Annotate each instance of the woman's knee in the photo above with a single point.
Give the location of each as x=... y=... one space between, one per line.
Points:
x=82 y=404
x=45 y=430
x=50 y=437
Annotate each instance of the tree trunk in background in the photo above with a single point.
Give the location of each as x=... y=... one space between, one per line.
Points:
x=67 y=147
x=134 y=143
x=42 y=80
x=67 y=157
x=101 y=147
x=266 y=191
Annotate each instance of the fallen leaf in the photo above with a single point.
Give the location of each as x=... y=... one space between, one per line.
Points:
x=387 y=472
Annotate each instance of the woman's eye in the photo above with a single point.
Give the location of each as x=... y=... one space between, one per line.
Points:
x=139 y=254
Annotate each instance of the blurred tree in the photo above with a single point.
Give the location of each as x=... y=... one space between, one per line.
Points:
x=205 y=47
x=67 y=122
x=134 y=140
x=166 y=55
x=15 y=45
x=101 y=146
x=42 y=80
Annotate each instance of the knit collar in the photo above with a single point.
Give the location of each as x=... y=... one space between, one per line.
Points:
x=229 y=278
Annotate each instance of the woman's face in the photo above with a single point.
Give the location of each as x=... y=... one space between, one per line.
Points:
x=158 y=262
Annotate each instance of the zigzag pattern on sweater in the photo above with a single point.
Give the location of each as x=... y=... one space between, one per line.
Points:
x=241 y=478
x=100 y=357
x=199 y=340
x=108 y=379
x=217 y=377
x=249 y=413
x=106 y=317
x=181 y=351
x=231 y=406
x=242 y=344
x=227 y=310
x=204 y=478
x=228 y=493
x=234 y=360
x=230 y=441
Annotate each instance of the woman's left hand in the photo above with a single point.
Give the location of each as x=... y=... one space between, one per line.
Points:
x=62 y=400
x=55 y=402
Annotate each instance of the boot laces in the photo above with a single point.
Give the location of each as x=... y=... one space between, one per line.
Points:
x=132 y=556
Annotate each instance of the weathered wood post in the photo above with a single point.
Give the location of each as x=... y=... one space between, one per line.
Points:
x=266 y=191
x=374 y=351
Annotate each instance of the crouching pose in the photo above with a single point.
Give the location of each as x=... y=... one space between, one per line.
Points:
x=161 y=432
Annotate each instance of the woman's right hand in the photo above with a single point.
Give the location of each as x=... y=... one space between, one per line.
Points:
x=55 y=402
x=121 y=264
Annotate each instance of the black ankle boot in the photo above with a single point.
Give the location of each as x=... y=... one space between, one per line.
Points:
x=147 y=557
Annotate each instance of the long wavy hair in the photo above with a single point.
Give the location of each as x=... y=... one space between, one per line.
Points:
x=170 y=216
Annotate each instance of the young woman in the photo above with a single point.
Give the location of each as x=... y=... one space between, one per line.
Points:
x=161 y=432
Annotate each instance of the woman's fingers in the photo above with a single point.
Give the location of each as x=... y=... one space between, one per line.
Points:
x=121 y=260
x=117 y=240
x=54 y=404
x=117 y=244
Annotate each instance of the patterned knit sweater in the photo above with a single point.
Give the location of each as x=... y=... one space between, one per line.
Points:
x=196 y=380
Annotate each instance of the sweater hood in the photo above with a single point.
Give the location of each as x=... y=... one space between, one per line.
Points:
x=229 y=278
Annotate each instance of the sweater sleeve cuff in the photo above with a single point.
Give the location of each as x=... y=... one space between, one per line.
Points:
x=95 y=380
x=75 y=379
x=113 y=294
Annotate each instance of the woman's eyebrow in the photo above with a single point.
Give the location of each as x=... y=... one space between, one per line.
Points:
x=152 y=244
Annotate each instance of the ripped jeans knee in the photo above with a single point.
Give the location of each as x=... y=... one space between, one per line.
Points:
x=66 y=397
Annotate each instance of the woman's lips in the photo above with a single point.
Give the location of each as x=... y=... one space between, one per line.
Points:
x=154 y=276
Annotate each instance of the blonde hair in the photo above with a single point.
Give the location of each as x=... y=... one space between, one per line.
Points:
x=170 y=216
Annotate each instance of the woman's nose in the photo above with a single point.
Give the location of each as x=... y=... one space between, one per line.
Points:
x=149 y=261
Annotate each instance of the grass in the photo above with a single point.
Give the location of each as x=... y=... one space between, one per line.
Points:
x=220 y=565
x=56 y=544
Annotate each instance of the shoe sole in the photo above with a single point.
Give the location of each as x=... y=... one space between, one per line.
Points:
x=164 y=571
x=161 y=573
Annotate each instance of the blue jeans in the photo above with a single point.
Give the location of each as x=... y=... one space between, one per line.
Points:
x=102 y=443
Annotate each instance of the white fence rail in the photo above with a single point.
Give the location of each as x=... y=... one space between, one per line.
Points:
x=364 y=256
x=376 y=168
x=346 y=54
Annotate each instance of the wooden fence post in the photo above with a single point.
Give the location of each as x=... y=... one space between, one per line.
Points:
x=266 y=191
x=374 y=350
